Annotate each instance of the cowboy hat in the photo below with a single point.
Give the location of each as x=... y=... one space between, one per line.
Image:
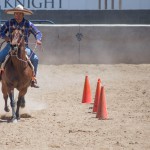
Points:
x=19 y=8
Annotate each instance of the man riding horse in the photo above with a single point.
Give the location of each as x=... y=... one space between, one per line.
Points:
x=19 y=22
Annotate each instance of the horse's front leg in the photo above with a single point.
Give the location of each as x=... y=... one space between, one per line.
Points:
x=21 y=101
x=12 y=103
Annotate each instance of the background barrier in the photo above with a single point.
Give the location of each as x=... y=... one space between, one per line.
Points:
x=87 y=44
x=93 y=44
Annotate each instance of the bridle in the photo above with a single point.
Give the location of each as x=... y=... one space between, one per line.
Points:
x=17 y=38
x=15 y=43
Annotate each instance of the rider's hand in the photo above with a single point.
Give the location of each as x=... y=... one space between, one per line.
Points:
x=38 y=42
x=7 y=39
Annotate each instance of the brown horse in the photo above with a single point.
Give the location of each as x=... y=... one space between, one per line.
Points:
x=17 y=74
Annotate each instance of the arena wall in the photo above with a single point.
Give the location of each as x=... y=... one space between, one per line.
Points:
x=90 y=16
x=94 y=44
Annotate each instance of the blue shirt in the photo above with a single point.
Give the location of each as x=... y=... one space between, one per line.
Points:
x=27 y=27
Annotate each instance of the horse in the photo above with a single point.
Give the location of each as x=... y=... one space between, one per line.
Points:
x=17 y=74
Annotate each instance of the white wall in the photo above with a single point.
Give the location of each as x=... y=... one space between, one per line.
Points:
x=75 y=4
x=127 y=4
x=135 y=4
x=82 y=4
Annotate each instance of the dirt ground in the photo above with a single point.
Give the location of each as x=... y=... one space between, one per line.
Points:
x=59 y=121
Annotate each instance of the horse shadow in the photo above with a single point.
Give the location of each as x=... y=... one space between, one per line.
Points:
x=7 y=119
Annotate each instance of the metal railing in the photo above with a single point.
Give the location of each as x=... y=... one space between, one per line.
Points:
x=36 y=21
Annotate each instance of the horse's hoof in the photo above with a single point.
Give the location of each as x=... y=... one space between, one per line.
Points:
x=7 y=109
x=22 y=105
x=13 y=120
x=18 y=118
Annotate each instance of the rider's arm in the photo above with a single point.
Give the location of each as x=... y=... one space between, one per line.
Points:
x=37 y=34
x=4 y=29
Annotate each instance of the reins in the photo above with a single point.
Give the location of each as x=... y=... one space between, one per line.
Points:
x=25 y=61
x=39 y=45
x=2 y=44
x=33 y=50
x=35 y=47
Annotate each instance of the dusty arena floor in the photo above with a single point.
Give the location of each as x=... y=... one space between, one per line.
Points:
x=59 y=121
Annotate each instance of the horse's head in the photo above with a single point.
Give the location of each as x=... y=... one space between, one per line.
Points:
x=17 y=37
x=17 y=42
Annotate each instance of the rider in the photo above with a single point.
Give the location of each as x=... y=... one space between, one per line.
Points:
x=19 y=22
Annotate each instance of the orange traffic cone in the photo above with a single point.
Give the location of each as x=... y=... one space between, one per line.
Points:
x=87 y=98
x=97 y=96
x=102 y=110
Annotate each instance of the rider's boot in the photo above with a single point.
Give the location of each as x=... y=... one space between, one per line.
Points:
x=34 y=83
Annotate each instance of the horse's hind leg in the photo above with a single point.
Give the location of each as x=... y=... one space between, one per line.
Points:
x=20 y=102
x=5 y=96
x=6 y=108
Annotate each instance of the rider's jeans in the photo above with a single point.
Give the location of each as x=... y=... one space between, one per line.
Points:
x=33 y=57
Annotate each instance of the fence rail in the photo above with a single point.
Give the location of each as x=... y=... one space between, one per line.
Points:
x=36 y=21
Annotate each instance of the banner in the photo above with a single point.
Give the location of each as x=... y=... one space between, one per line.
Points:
x=51 y=4
x=77 y=4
